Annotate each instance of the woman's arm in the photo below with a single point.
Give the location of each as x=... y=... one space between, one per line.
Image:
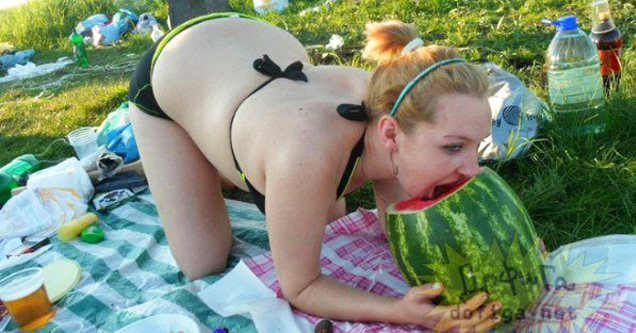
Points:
x=299 y=194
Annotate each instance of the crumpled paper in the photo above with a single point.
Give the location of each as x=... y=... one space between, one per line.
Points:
x=240 y=292
x=53 y=197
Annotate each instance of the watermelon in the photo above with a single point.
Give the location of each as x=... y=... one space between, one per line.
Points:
x=476 y=236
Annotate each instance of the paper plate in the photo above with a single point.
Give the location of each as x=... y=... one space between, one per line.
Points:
x=168 y=323
x=60 y=277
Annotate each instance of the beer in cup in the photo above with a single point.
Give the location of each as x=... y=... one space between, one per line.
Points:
x=23 y=294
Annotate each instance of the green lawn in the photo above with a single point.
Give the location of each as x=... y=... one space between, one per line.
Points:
x=573 y=188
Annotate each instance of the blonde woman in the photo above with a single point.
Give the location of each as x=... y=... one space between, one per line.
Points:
x=236 y=98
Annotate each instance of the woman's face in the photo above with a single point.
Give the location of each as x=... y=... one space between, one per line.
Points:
x=436 y=155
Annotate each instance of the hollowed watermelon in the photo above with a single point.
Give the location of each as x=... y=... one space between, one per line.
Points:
x=477 y=236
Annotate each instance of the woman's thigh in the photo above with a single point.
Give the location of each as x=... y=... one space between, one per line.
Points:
x=187 y=192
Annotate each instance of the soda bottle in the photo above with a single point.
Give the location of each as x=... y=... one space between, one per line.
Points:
x=7 y=183
x=609 y=42
x=79 y=50
x=574 y=79
x=21 y=167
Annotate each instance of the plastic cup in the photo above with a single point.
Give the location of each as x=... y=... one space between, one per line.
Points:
x=24 y=295
x=84 y=142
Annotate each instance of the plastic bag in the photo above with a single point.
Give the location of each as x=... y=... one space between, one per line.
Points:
x=146 y=22
x=117 y=118
x=121 y=141
x=85 y=27
x=516 y=116
x=265 y=6
x=53 y=197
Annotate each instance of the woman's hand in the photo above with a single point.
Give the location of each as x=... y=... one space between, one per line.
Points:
x=474 y=315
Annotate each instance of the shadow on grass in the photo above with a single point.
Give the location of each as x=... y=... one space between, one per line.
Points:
x=41 y=146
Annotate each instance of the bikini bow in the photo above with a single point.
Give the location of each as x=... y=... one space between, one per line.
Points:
x=266 y=66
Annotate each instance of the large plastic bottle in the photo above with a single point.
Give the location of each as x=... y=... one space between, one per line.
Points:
x=609 y=42
x=574 y=79
x=7 y=183
x=21 y=167
x=79 y=50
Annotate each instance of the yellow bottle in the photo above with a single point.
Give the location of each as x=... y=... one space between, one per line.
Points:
x=73 y=228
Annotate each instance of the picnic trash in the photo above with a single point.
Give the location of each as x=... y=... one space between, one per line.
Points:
x=121 y=141
x=11 y=59
x=20 y=167
x=145 y=24
x=52 y=197
x=116 y=118
x=240 y=292
x=574 y=79
x=111 y=199
x=267 y=6
x=84 y=142
x=60 y=277
x=125 y=20
x=6 y=47
x=72 y=229
x=19 y=72
x=79 y=50
x=85 y=27
x=7 y=183
x=109 y=164
x=93 y=234
x=516 y=116
x=335 y=42
x=30 y=245
x=130 y=179
x=156 y=33
x=609 y=42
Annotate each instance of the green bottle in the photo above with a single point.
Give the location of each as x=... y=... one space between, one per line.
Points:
x=21 y=167
x=7 y=183
x=79 y=50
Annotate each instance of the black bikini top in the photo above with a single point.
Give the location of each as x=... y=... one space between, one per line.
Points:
x=352 y=112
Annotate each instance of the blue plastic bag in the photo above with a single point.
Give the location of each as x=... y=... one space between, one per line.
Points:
x=121 y=141
x=17 y=58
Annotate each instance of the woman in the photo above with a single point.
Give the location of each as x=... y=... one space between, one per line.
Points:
x=217 y=107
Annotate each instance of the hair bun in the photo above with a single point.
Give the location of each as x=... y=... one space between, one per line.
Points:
x=387 y=39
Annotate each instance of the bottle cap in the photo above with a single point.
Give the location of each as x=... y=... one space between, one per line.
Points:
x=563 y=23
x=93 y=234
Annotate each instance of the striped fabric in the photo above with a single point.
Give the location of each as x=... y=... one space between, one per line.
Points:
x=132 y=274
x=356 y=253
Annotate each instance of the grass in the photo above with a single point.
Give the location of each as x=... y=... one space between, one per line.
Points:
x=574 y=188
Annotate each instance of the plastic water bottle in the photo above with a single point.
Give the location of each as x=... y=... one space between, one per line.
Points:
x=574 y=79
x=7 y=183
x=79 y=49
x=21 y=167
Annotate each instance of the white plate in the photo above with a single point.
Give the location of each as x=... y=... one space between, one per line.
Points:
x=163 y=323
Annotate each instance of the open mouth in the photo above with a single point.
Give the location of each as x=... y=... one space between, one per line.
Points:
x=440 y=192
x=444 y=190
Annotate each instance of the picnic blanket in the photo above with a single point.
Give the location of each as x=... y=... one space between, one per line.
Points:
x=132 y=275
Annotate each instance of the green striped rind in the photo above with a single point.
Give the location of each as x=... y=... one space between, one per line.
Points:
x=479 y=238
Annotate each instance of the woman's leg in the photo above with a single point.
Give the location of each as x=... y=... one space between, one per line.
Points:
x=187 y=191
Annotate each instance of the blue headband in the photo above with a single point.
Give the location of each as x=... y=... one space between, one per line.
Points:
x=422 y=74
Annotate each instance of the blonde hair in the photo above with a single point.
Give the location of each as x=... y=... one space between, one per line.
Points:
x=395 y=69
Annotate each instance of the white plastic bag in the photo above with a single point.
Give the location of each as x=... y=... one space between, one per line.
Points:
x=516 y=116
x=266 y=6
